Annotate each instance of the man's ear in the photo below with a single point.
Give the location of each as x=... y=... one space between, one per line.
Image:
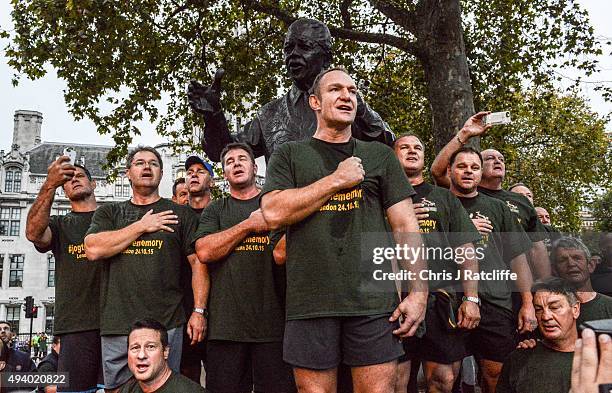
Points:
x=93 y=184
x=166 y=352
x=314 y=102
x=576 y=310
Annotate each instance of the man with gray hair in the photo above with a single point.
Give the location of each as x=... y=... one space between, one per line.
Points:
x=546 y=367
x=571 y=260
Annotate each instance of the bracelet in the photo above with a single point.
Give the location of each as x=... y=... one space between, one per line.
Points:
x=460 y=141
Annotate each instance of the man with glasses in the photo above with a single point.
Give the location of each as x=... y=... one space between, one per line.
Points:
x=142 y=243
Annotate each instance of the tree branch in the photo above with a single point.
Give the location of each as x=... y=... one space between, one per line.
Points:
x=399 y=15
x=339 y=32
x=345 y=13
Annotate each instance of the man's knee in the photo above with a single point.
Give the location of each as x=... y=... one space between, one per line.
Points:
x=441 y=376
x=315 y=381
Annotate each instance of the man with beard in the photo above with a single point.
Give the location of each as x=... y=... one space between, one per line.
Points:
x=444 y=223
x=14 y=360
x=198 y=180
x=602 y=278
x=180 y=194
x=77 y=279
x=142 y=243
x=331 y=192
x=493 y=173
x=546 y=368
x=148 y=351
x=244 y=354
x=307 y=51
x=504 y=244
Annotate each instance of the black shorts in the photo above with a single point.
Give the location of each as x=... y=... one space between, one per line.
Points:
x=192 y=354
x=440 y=344
x=81 y=357
x=324 y=343
x=238 y=367
x=495 y=337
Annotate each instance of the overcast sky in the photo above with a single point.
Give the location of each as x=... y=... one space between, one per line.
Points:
x=46 y=94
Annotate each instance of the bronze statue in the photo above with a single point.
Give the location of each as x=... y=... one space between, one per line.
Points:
x=307 y=51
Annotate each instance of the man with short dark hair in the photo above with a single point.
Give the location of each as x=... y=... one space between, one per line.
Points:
x=16 y=361
x=49 y=364
x=244 y=354
x=142 y=243
x=77 y=279
x=572 y=262
x=493 y=174
x=330 y=192
x=180 y=193
x=148 y=351
x=546 y=368
x=505 y=244
x=444 y=224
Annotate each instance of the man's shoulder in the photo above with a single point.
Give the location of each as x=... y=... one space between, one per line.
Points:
x=373 y=146
x=17 y=357
x=180 y=383
x=605 y=300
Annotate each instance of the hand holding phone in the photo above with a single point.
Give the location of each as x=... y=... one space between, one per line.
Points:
x=71 y=153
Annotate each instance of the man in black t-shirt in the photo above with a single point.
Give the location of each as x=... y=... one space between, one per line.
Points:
x=572 y=262
x=148 y=351
x=332 y=193
x=444 y=224
x=141 y=244
x=504 y=266
x=77 y=286
x=198 y=181
x=493 y=174
x=546 y=368
x=246 y=315
x=602 y=277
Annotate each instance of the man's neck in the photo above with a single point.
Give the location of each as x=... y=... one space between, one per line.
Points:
x=245 y=193
x=491 y=183
x=415 y=178
x=458 y=193
x=199 y=201
x=566 y=344
x=332 y=134
x=158 y=382
x=586 y=293
x=145 y=197
x=86 y=205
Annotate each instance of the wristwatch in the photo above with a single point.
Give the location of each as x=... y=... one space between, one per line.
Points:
x=202 y=311
x=472 y=299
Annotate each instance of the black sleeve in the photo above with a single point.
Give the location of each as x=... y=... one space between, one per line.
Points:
x=278 y=172
x=395 y=184
x=102 y=220
x=54 y=226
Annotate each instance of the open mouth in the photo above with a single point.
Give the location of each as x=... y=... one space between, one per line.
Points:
x=411 y=158
x=345 y=108
x=238 y=172
x=141 y=368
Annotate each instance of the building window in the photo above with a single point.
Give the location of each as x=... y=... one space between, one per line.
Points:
x=180 y=173
x=16 y=270
x=49 y=316
x=12 y=180
x=12 y=315
x=10 y=221
x=122 y=187
x=50 y=270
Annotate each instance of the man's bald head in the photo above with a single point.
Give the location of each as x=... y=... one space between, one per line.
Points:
x=543 y=215
x=493 y=164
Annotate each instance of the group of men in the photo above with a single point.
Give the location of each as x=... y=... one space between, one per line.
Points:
x=201 y=267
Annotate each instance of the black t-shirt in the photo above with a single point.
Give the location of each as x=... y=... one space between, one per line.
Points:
x=243 y=303
x=327 y=273
x=448 y=226
x=524 y=211
x=175 y=384
x=144 y=279
x=77 y=280
x=602 y=282
x=507 y=241
x=552 y=234
x=598 y=308
x=186 y=277
x=536 y=370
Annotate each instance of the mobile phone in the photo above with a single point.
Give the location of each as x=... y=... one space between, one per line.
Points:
x=70 y=152
x=497 y=118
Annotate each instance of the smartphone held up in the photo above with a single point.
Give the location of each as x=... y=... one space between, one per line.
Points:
x=497 y=118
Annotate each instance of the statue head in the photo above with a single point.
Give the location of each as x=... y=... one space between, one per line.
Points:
x=307 y=51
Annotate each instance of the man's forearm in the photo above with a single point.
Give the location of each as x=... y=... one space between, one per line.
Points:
x=110 y=243
x=470 y=287
x=438 y=167
x=37 y=225
x=216 y=246
x=200 y=282
x=539 y=262
x=284 y=208
x=524 y=279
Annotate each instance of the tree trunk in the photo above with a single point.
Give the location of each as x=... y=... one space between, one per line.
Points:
x=442 y=53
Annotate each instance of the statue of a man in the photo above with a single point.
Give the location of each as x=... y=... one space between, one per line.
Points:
x=307 y=51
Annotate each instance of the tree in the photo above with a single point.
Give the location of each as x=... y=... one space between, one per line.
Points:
x=119 y=58
x=602 y=211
